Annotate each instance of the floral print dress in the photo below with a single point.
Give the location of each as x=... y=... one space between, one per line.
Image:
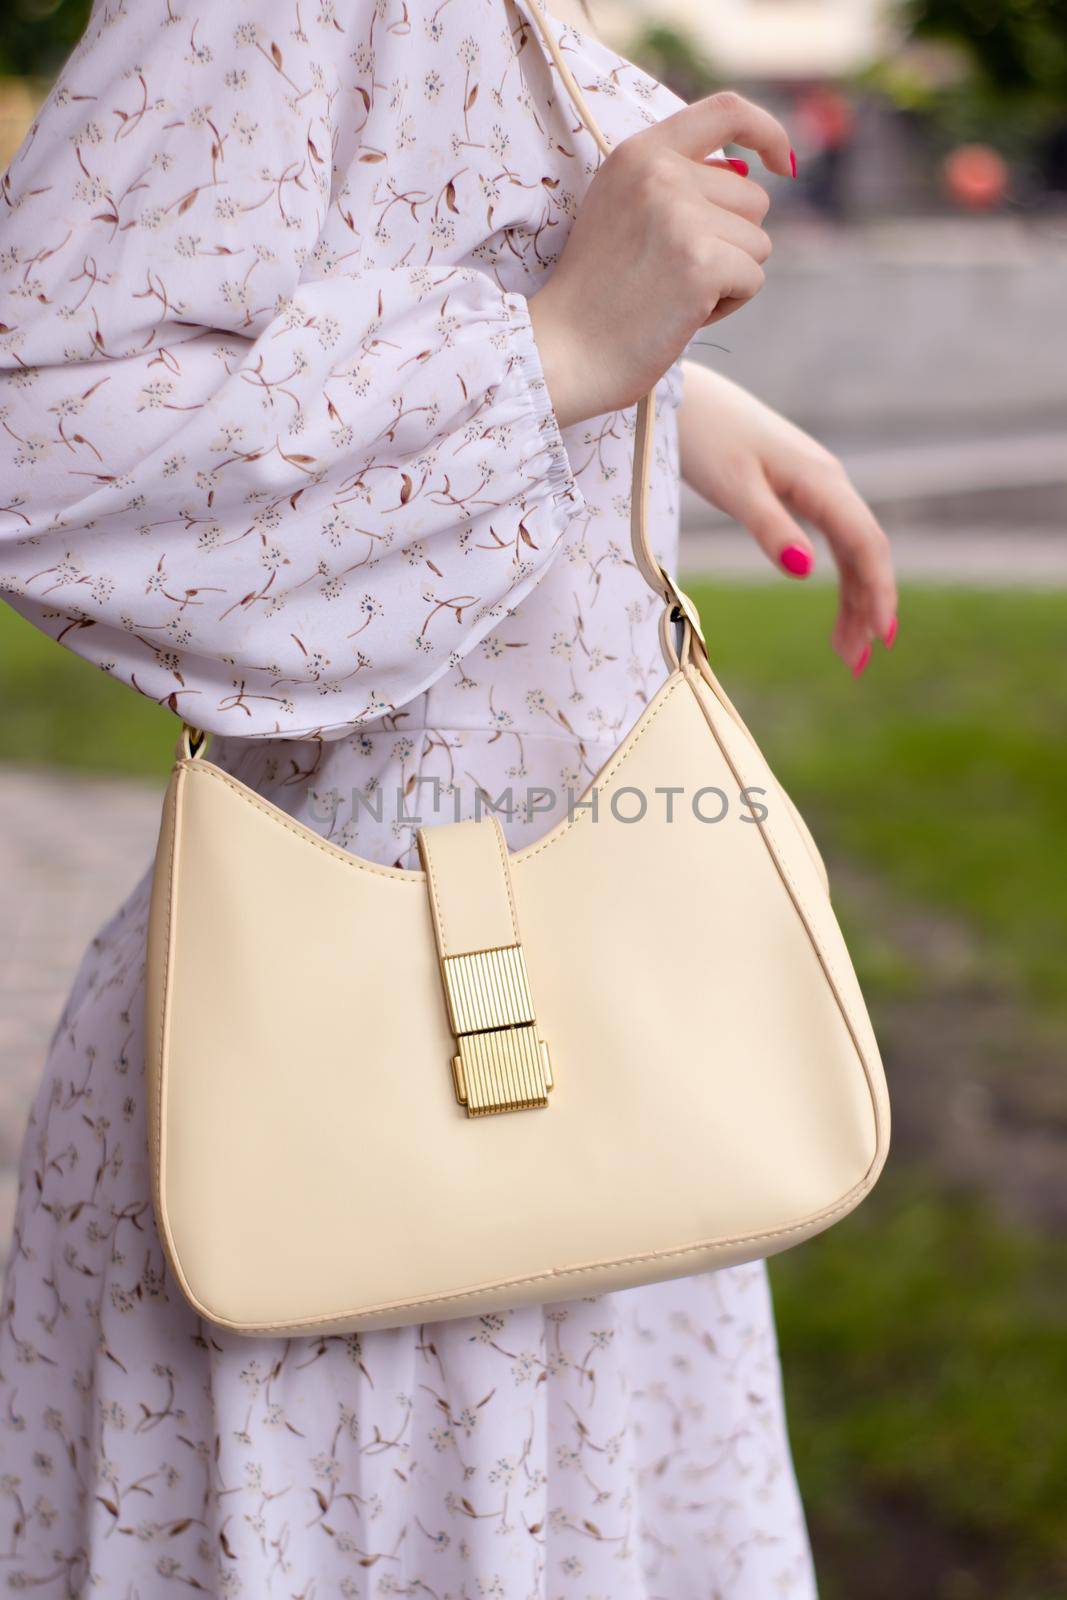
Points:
x=278 y=452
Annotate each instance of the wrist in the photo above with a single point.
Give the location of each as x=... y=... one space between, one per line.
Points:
x=560 y=359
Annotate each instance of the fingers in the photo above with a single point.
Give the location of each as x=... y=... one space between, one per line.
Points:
x=743 y=235
x=780 y=538
x=725 y=186
x=861 y=551
x=723 y=234
x=851 y=635
x=827 y=498
x=868 y=603
x=722 y=119
x=738 y=276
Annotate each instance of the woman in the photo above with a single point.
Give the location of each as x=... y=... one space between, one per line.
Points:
x=323 y=327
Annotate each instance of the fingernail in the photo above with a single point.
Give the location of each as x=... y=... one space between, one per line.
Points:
x=793 y=162
x=797 y=560
x=738 y=165
x=861 y=665
x=890 y=634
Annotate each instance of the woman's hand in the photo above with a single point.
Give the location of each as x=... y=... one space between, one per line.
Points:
x=764 y=472
x=664 y=243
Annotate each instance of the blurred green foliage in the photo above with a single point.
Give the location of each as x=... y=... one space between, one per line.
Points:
x=58 y=711
x=674 y=58
x=1019 y=47
x=1008 y=87
x=37 y=36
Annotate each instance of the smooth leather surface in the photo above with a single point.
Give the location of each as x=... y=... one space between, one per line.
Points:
x=718 y=1090
x=718 y=1095
x=469 y=884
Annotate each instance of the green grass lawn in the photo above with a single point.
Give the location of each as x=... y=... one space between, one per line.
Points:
x=924 y=1347
x=944 y=767
x=924 y=1339
x=58 y=710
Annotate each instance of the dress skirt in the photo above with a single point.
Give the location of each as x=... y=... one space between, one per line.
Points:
x=630 y=1446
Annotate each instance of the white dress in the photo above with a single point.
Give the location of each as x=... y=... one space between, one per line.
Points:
x=277 y=451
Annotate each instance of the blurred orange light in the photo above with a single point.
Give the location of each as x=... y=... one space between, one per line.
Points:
x=976 y=177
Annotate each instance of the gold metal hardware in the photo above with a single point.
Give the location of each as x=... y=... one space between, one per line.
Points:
x=502 y=1065
x=505 y=1070
x=681 y=605
x=488 y=989
x=192 y=741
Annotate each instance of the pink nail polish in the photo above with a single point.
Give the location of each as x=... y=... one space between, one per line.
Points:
x=793 y=162
x=738 y=165
x=795 y=559
x=890 y=634
x=861 y=665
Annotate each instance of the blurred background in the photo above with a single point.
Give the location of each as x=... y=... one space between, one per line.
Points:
x=915 y=319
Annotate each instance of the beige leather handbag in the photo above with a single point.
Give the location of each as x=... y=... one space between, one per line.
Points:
x=630 y=1051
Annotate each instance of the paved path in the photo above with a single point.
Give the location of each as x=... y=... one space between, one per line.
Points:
x=905 y=323
x=989 y=558
x=71 y=848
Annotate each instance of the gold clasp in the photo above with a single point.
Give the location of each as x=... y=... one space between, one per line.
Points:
x=502 y=1065
x=191 y=742
x=681 y=606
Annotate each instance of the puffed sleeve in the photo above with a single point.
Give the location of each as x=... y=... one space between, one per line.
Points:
x=249 y=469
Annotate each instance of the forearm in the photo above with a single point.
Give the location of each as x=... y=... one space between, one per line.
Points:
x=710 y=409
x=688 y=425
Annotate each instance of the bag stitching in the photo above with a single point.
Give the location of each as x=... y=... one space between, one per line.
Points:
x=500 y=844
x=431 y=875
x=159 y=1075
x=847 y=1203
x=672 y=683
x=206 y=769
x=431 y=879
x=815 y=939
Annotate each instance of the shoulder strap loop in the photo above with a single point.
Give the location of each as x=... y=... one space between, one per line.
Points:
x=657 y=579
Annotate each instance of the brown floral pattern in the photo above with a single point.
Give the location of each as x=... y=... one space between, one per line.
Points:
x=278 y=452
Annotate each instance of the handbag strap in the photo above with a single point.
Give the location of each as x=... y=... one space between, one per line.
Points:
x=658 y=579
